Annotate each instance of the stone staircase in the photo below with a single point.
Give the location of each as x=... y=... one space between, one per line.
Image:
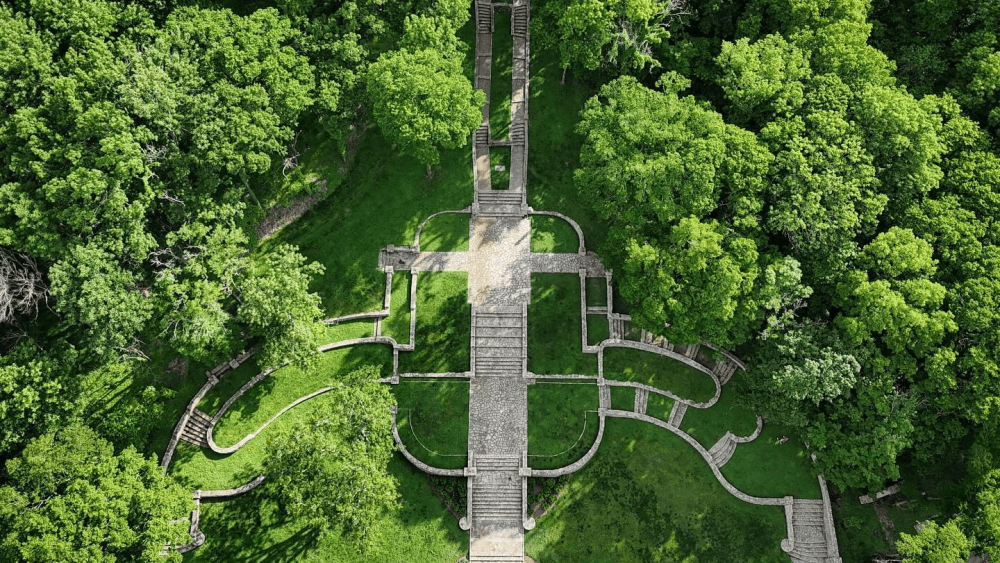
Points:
x=520 y=21
x=641 y=400
x=677 y=414
x=498 y=338
x=501 y=197
x=723 y=450
x=482 y=135
x=196 y=430
x=724 y=370
x=617 y=327
x=517 y=134
x=484 y=16
x=691 y=351
x=496 y=559
x=810 y=534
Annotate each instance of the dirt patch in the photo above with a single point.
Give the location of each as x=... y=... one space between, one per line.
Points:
x=882 y=511
x=280 y=215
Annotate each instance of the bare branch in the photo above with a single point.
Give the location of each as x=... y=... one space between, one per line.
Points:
x=22 y=286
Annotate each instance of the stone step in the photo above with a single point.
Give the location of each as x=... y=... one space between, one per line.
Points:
x=493 y=210
x=520 y=21
x=499 y=327
x=496 y=559
x=641 y=399
x=499 y=353
x=497 y=341
x=518 y=134
x=483 y=135
x=677 y=414
x=723 y=450
x=504 y=462
x=500 y=196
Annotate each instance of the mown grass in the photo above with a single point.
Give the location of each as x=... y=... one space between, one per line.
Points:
x=446 y=233
x=443 y=328
x=555 y=343
x=560 y=429
x=708 y=425
x=767 y=468
x=501 y=75
x=597 y=292
x=433 y=421
x=552 y=234
x=648 y=496
x=500 y=178
x=349 y=331
x=397 y=324
x=554 y=145
x=420 y=531
x=622 y=398
x=598 y=329
x=201 y=468
x=289 y=383
x=626 y=364
x=659 y=406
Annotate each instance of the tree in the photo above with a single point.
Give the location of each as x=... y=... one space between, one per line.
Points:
x=806 y=364
x=344 y=448
x=934 y=544
x=276 y=306
x=69 y=498
x=657 y=167
x=422 y=101
x=38 y=393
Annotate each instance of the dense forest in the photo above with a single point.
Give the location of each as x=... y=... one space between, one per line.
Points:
x=814 y=184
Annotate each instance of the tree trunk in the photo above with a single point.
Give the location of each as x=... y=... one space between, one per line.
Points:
x=430 y=173
x=563 y=79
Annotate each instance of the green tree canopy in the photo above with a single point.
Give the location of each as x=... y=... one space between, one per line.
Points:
x=69 y=498
x=344 y=448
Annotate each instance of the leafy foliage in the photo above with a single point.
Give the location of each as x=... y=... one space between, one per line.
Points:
x=70 y=498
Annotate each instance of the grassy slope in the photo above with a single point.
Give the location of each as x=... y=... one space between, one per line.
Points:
x=623 y=398
x=708 y=425
x=443 y=325
x=767 y=468
x=289 y=383
x=625 y=364
x=433 y=420
x=648 y=496
x=422 y=531
x=597 y=329
x=554 y=327
x=552 y=234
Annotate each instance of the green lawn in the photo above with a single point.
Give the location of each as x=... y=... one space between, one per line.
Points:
x=446 y=233
x=554 y=346
x=767 y=468
x=552 y=234
x=597 y=329
x=500 y=179
x=555 y=147
x=597 y=292
x=502 y=73
x=626 y=364
x=433 y=420
x=623 y=398
x=648 y=496
x=421 y=531
x=443 y=325
x=289 y=383
x=229 y=383
x=349 y=331
x=201 y=468
x=560 y=429
x=708 y=425
x=659 y=406
x=397 y=324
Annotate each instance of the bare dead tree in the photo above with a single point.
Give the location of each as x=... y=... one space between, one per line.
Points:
x=673 y=11
x=133 y=351
x=292 y=160
x=22 y=285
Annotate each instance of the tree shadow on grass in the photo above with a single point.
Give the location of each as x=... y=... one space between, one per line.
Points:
x=443 y=328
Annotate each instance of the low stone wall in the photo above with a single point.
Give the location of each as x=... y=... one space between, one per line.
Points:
x=416 y=462
x=229 y=493
x=420 y=228
x=582 y=247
